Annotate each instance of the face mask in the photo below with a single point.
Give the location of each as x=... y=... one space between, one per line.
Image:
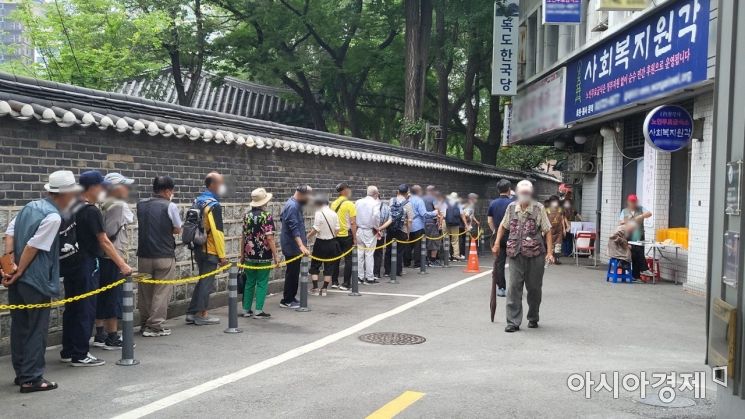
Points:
x=222 y=190
x=101 y=196
x=523 y=199
x=170 y=197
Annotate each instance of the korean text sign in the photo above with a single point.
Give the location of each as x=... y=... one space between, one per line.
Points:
x=668 y=128
x=562 y=11
x=665 y=51
x=505 y=49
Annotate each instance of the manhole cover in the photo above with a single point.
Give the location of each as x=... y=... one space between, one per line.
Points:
x=678 y=402
x=392 y=338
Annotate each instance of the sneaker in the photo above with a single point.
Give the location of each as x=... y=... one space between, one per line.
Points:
x=248 y=313
x=293 y=304
x=99 y=341
x=88 y=361
x=647 y=273
x=376 y=277
x=153 y=333
x=206 y=320
x=372 y=282
x=113 y=344
x=314 y=291
x=532 y=324
x=65 y=360
x=511 y=329
x=324 y=292
x=334 y=286
x=262 y=316
x=435 y=264
x=189 y=319
x=343 y=288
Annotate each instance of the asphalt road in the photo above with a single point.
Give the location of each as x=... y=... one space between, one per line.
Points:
x=312 y=365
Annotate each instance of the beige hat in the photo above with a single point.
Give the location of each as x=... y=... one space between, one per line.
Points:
x=260 y=197
x=62 y=181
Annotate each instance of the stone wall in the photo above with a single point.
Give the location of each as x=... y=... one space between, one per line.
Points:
x=29 y=151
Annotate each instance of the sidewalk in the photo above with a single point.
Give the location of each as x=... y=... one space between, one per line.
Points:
x=468 y=367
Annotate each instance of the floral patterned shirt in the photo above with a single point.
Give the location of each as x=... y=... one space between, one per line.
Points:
x=258 y=229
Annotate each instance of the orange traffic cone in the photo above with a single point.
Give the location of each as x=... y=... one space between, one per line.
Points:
x=473 y=259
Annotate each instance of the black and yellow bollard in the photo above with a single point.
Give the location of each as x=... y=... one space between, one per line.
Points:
x=446 y=249
x=233 y=301
x=423 y=256
x=394 y=261
x=354 y=282
x=128 y=308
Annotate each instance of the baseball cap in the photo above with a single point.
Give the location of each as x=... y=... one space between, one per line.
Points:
x=632 y=198
x=92 y=178
x=342 y=187
x=115 y=178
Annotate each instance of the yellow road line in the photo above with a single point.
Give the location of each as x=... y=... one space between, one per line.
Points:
x=397 y=405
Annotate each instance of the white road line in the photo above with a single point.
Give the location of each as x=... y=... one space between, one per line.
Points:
x=378 y=293
x=189 y=393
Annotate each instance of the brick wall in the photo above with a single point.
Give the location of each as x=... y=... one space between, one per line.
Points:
x=29 y=151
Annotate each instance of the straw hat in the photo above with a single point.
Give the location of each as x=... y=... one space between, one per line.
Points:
x=260 y=197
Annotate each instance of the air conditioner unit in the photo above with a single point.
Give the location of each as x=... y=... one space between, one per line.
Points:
x=579 y=163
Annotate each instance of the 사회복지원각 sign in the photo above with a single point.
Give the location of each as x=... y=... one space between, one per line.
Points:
x=668 y=128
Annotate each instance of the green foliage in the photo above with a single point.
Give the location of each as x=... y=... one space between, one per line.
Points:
x=523 y=157
x=92 y=43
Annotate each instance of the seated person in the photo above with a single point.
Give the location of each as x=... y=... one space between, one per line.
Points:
x=618 y=244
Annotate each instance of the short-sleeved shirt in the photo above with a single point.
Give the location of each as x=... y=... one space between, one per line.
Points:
x=258 y=229
x=498 y=207
x=345 y=209
x=408 y=213
x=542 y=222
x=45 y=233
x=326 y=223
x=368 y=212
x=116 y=216
x=88 y=225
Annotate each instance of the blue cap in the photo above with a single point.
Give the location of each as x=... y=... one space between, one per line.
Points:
x=92 y=178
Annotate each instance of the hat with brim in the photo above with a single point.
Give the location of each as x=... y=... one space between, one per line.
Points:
x=453 y=195
x=62 y=181
x=260 y=197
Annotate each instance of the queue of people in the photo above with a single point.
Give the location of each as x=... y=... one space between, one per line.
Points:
x=79 y=233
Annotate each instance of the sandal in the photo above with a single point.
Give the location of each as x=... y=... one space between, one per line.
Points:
x=40 y=385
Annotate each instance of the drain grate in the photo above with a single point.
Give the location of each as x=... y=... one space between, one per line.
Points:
x=392 y=338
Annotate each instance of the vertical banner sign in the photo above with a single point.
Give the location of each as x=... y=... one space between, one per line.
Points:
x=664 y=52
x=562 y=12
x=505 y=49
x=507 y=126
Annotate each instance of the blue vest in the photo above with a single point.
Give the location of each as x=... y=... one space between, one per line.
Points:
x=43 y=272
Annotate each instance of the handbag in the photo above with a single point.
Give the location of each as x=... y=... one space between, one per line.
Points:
x=241 y=281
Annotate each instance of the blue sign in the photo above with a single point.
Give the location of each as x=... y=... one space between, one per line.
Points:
x=668 y=128
x=665 y=51
x=559 y=12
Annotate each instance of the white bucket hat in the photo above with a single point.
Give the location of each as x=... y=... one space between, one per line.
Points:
x=62 y=181
x=260 y=197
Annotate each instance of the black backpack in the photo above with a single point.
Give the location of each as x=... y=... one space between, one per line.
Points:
x=192 y=232
x=398 y=215
x=69 y=250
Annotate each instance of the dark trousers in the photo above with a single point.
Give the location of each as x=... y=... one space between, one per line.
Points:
x=638 y=261
x=345 y=243
x=525 y=272
x=79 y=316
x=28 y=333
x=498 y=274
x=411 y=252
x=378 y=256
x=200 y=297
x=109 y=303
x=292 y=277
x=567 y=246
x=398 y=235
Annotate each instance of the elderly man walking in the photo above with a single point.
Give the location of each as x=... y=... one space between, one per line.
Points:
x=528 y=230
x=30 y=271
x=368 y=216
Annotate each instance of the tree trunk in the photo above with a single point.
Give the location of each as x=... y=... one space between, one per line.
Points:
x=418 y=16
x=470 y=90
x=442 y=68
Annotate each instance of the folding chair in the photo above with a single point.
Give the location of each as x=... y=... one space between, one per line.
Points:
x=584 y=245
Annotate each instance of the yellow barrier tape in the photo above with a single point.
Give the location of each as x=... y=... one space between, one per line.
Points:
x=410 y=241
x=185 y=280
x=272 y=266
x=334 y=259
x=63 y=301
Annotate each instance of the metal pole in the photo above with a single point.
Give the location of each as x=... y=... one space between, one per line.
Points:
x=394 y=261
x=128 y=307
x=233 y=301
x=423 y=255
x=304 y=268
x=447 y=248
x=354 y=282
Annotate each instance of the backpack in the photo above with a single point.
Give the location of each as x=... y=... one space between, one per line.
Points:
x=69 y=250
x=398 y=215
x=452 y=216
x=192 y=231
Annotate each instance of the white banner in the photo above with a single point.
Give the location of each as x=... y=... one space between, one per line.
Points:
x=505 y=49
x=507 y=127
x=539 y=108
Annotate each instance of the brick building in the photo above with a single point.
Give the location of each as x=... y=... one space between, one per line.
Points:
x=46 y=126
x=604 y=75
